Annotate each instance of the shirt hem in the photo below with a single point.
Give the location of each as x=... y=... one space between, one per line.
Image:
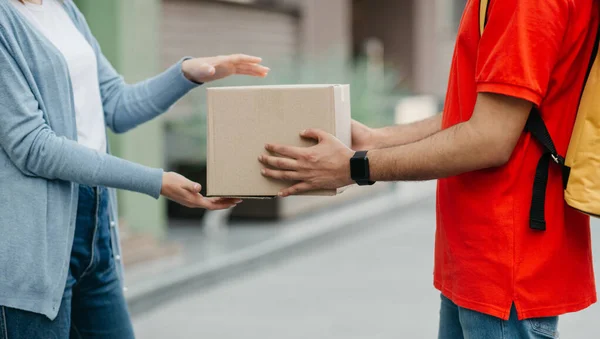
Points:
x=522 y=314
x=555 y=310
x=495 y=311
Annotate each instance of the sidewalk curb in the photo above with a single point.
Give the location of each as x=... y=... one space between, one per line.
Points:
x=315 y=231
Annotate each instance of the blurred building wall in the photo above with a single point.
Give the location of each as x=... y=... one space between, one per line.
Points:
x=392 y=23
x=142 y=37
x=436 y=25
x=417 y=35
x=134 y=35
x=296 y=38
x=326 y=27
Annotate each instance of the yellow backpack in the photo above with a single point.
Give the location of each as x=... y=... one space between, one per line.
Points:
x=581 y=167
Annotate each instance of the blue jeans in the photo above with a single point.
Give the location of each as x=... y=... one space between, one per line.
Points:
x=93 y=305
x=460 y=323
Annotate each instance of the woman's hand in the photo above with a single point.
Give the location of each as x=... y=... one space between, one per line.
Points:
x=202 y=70
x=187 y=193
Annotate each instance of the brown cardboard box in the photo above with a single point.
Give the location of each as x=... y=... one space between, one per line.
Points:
x=241 y=120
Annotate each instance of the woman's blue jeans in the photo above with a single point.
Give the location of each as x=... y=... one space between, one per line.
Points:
x=93 y=305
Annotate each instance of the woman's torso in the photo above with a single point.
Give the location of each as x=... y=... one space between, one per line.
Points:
x=52 y=21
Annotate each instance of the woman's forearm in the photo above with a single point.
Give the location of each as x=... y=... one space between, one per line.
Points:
x=127 y=106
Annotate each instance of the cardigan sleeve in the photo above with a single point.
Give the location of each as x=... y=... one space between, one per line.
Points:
x=37 y=151
x=129 y=105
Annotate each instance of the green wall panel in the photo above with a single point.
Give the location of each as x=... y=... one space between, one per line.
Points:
x=128 y=35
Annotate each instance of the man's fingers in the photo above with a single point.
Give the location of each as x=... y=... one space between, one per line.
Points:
x=281 y=175
x=243 y=58
x=296 y=189
x=286 y=151
x=316 y=134
x=280 y=163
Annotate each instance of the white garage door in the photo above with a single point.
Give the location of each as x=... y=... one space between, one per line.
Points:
x=206 y=28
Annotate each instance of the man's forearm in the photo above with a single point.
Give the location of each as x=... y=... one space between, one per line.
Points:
x=486 y=140
x=407 y=133
x=453 y=151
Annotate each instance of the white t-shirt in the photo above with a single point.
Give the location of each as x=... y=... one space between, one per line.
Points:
x=51 y=19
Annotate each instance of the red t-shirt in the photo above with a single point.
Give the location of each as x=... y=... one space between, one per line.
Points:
x=486 y=256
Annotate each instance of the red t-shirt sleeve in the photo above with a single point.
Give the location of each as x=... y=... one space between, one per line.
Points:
x=520 y=46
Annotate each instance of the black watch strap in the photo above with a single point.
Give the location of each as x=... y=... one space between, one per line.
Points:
x=365 y=182
x=361 y=154
x=359 y=169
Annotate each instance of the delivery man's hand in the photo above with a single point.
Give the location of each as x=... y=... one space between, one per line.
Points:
x=202 y=70
x=323 y=166
x=187 y=193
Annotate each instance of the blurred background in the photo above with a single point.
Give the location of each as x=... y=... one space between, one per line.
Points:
x=354 y=266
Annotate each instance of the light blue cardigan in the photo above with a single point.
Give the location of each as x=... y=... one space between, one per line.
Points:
x=41 y=163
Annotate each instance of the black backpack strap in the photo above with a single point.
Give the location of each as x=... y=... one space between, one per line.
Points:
x=536 y=126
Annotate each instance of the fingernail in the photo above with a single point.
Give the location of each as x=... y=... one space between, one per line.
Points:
x=260 y=158
x=303 y=132
x=263 y=172
x=280 y=194
x=239 y=201
x=196 y=187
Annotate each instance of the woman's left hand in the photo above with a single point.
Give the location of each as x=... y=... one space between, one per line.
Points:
x=202 y=70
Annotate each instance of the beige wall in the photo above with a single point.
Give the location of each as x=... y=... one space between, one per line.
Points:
x=418 y=38
x=391 y=22
x=434 y=36
x=326 y=27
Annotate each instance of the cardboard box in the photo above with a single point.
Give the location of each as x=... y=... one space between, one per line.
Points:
x=241 y=120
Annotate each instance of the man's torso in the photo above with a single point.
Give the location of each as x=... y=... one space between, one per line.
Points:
x=486 y=256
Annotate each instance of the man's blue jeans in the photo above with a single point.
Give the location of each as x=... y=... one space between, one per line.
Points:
x=93 y=305
x=459 y=323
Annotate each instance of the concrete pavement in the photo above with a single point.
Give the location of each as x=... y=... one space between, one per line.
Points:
x=374 y=284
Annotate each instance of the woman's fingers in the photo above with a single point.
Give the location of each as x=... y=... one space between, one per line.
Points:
x=251 y=69
x=254 y=74
x=221 y=203
x=192 y=187
x=243 y=58
x=198 y=201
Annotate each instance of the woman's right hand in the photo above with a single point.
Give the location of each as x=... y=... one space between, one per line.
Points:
x=183 y=191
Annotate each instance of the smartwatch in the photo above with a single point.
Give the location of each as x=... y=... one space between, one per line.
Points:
x=359 y=169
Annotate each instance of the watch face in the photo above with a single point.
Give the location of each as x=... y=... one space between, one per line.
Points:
x=358 y=169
